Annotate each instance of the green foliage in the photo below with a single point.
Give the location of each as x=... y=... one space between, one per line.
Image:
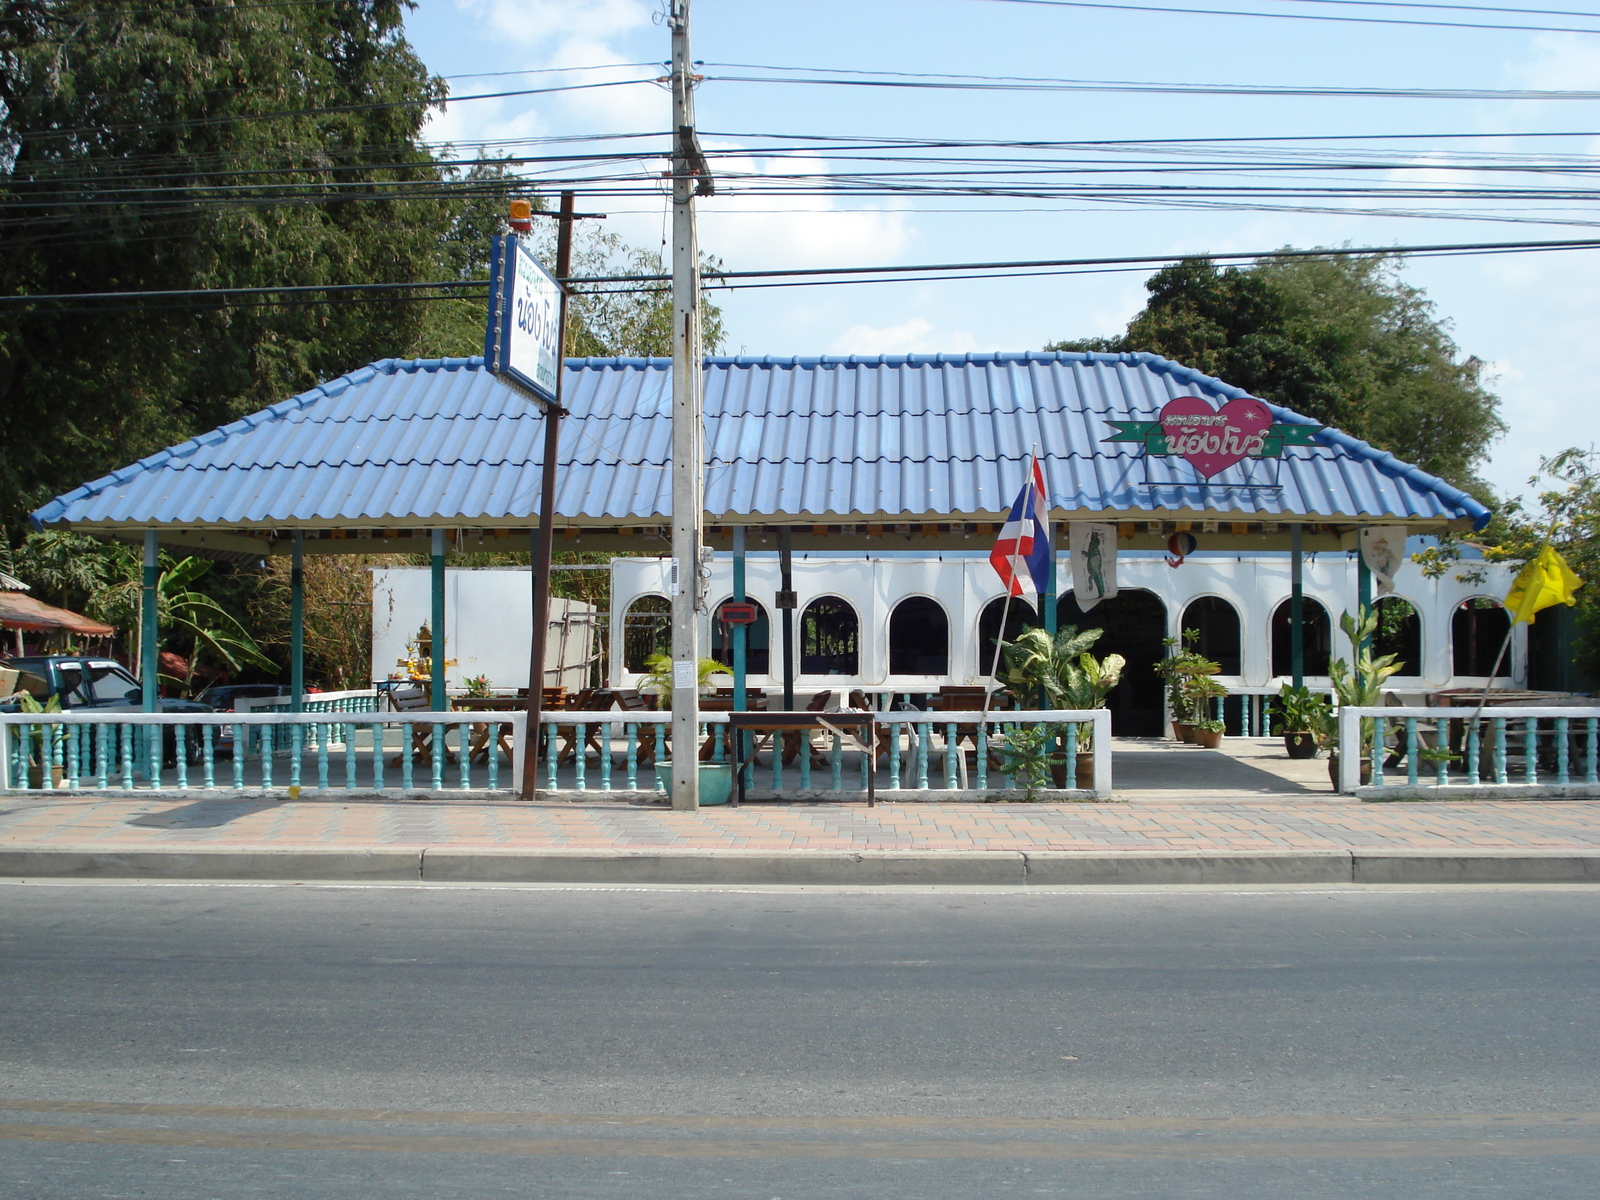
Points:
x=177 y=147
x=1187 y=674
x=1029 y=753
x=657 y=681
x=1361 y=686
x=1341 y=339
x=1302 y=710
x=1061 y=668
x=1212 y=726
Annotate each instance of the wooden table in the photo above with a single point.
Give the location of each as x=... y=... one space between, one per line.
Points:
x=478 y=746
x=796 y=722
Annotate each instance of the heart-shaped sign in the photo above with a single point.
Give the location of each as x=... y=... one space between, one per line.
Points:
x=1213 y=439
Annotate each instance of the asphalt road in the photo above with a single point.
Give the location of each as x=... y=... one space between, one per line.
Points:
x=332 y=1043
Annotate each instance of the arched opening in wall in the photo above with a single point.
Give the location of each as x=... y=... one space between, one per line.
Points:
x=646 y=630
x=757 y=642
x=919 y=638
x=1020 y=616
x=1476 y=632
x=1316 y=638
x=1215 y=624
x=830 y=638
x=1135 y=622
x=1399 y=633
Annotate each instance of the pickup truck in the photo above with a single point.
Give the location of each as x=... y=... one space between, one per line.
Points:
x=83 y=681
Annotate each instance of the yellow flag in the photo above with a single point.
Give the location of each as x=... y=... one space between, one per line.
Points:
x=1546 y=580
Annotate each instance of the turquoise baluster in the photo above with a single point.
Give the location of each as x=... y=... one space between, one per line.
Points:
x=180 y=751
x=127 y=739
x=1441 y=738
x=777 y=763
x=1499 y=724
x=72 y=755
x=297 y=747
x=836 y=764
x=922 y=755
x=407 y=755
x=152 y=741
x=103 y=737
x=436 y=744
x=661 y=753
x=494 y=758
x=350 y=756
x=377 y=755
x=580 y=763
x=631 y=729
x=982 y=780
x=464 y=751
x=1071 y=750
x=605 y=755
x=1474 y=753
x=1411 y=751
x=805 y=760
x=951 y=749
x=1009 y=732
x=894 y=755
x=1379 y=732
x=241 y=748
x=1562 y=766
x=322 y=757
x=550 y=756
x=1530 y=755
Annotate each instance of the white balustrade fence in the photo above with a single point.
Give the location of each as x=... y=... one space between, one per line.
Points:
x=1440 y=751
x=614 y=754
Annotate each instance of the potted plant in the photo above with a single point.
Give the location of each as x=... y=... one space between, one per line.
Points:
x=716 y=779
x=1208 y=734
x=1069 y=677
x=1032 y=755
x=1303 y=713
x=1199 y=694
x=1178 y=670
x=1360 y=686
x=39 y=737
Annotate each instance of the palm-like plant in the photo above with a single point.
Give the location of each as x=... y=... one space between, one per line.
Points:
x=657 y=680
x=1062 y=670
x=1362 y=685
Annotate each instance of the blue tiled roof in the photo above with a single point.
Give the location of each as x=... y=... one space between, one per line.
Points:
x=441 y=441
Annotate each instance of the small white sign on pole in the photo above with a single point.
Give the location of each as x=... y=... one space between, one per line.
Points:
x=524 y=318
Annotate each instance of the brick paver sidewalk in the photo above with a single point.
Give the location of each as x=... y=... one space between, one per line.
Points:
x=168 y=822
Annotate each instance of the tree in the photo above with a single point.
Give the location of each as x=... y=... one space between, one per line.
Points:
x=1340 y=339
x=166 y=146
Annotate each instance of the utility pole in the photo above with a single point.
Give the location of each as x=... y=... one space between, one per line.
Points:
x=689 y=178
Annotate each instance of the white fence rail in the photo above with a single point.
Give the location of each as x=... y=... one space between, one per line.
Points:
x=612 y=754
x=1440 y=751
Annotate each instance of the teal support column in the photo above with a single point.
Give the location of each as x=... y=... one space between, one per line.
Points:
x=741 y=634
x=149 y=625
x=1048 y=615
x=1297 y=607
x=297 y=624
x=441 y=702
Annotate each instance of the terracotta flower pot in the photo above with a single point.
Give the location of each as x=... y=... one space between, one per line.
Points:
x=1211 y=739
x=1333 y=769
x=1177 y=732
x=1084 y=768
x=1186 y=733
x=1300 y=745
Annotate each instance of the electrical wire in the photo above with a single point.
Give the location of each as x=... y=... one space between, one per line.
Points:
x=1234 y=12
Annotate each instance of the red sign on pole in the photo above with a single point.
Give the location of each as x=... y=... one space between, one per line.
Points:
x=737 y=614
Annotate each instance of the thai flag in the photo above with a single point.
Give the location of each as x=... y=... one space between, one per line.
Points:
x=1021 y=555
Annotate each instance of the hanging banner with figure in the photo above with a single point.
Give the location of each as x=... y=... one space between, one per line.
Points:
x=1094 y=562
x=1383 y=548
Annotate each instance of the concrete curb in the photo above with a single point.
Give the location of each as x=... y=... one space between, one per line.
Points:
x=818 y=867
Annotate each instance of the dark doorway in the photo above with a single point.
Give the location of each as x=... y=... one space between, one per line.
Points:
x=1399 y=633
x=919 y=638
x=757 y=642
x=1316 y=638
x=1215 y=623
x=646 y=630
x=1477 y=631
x=1552 y=652
x=1135 y=623
x=1020 y=616
x=830 y=638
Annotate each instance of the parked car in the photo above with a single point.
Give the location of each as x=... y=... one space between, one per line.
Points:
x=83 y=681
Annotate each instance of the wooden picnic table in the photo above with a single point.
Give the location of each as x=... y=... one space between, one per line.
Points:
x=797 y=723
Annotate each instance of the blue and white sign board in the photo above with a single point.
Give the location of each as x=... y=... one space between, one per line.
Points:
x=524 y=318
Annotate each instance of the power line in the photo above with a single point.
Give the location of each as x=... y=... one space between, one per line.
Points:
x=1234 y=12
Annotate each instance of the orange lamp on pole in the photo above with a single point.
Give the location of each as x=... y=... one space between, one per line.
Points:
x=521 y=218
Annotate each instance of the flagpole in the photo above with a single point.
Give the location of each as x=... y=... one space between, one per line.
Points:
x=1005 y=612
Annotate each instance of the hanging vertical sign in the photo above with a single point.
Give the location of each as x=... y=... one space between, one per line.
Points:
x=1383 y=547
x=1094 y=562
x=524 y=318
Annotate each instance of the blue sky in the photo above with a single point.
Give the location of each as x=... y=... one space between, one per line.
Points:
x=1531 y=316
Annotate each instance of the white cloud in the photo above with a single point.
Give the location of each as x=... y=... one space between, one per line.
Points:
x=1560 y=61
x=551 y=23
x=916 y=336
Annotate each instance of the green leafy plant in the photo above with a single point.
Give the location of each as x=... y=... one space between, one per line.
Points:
x=1063 y=671
x=1181 y=670
x=1301 y=710
x=29 y=704
x=478 y=685
x=657 y=680
x=1210 y=726
x=1029 y=753
x=1360 y=686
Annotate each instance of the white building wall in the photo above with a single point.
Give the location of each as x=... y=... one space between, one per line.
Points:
x=1255 y=585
